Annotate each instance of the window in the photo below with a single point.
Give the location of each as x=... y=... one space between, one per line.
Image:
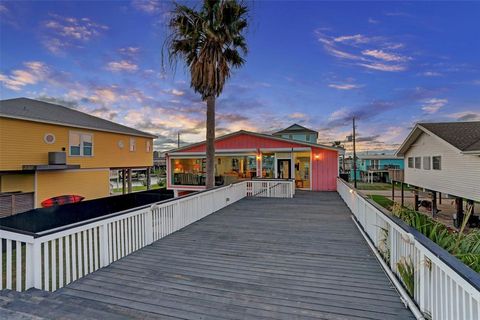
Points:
x=418 y=162
x=188 y=171
x=81 y=144
x=426 y=163
x=268 y=165
x=148 y=146
x=410 y=162
x=132 y=144
x=437 y=163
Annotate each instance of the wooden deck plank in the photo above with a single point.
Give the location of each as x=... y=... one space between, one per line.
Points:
x=258 y=258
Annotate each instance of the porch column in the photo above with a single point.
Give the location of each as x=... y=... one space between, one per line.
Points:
x=258 y=158
x=124 y=182
x=148 y=177
x=129 y=180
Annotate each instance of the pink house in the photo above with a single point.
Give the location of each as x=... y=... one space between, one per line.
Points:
x=247 y=155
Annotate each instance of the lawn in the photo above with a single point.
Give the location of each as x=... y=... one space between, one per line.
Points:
x=138 y=188
x=379 y=186
x=382 y=200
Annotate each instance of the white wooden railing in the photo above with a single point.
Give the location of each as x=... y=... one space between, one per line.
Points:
x=52 y=259
x=444 y=288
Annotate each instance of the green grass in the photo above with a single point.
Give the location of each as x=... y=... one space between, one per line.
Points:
x=138 y=188
x=379 y=186
x=382 y=200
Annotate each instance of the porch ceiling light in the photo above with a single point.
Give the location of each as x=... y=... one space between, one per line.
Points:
x=317 y=156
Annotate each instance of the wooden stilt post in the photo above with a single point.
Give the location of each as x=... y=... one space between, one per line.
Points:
x=124 y=182
x=148 y=178
x=393 y=190
x=434 y=203
x=403 y=194
x=459 y=207
x=416 y=199
x=129 y=180
x=439 y=198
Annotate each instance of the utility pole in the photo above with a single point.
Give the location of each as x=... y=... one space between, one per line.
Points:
x=178 y=139
x=354 y=157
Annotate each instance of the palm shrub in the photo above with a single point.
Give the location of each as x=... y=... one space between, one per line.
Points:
x=407 y=274
x=465 y=247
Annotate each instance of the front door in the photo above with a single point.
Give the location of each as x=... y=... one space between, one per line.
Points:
x=284 y=168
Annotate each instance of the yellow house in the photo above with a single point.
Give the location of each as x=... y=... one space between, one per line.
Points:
x=48 y=150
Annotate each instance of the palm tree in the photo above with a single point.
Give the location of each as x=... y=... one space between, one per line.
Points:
x=211 y=42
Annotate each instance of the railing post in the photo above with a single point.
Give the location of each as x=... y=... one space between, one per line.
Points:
x=36 y=264
x=104 y=258
x=149 y=226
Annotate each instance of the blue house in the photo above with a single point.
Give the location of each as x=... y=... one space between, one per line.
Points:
x=378 y=168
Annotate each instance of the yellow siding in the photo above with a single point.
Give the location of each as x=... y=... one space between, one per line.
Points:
x=21 y=142
x=17 y=182
x=90 y=184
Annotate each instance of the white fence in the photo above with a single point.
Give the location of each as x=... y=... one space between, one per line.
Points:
x=439 y=290
x=54 y=259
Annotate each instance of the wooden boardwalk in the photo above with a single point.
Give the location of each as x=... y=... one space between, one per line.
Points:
x=259 y=258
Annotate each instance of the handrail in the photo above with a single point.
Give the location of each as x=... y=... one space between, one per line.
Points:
x=459 y=267
x=56 y=257
x=443 y=287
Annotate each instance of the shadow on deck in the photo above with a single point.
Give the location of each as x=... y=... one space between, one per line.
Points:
x=298 y=258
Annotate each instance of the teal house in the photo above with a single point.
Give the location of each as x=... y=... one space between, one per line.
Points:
x=378 y=168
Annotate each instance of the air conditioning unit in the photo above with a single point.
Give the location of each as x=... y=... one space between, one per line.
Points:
x=57 y=158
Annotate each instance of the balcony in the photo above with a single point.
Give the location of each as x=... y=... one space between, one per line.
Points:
x=384 y=167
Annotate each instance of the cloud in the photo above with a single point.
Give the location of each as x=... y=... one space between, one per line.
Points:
x=382 y=55
x=65 y=32
x=432 y=105
x=373 y=21
x=466 y=116
x=122 y=65
x=129 y=51
x=149 y=6
x=297 y=115
x=382 y=67
x=353 y=50
x=355 y=39
x=344 y=86
x=430 y=74
x=32 y=73
x=176 y=92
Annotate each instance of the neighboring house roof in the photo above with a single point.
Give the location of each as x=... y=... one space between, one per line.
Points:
x=295 y=128
x=464 y=136
x=39 y=111
x=229 y=135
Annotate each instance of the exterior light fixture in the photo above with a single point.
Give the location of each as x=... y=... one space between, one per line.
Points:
x=258 y=157
x=317 y=156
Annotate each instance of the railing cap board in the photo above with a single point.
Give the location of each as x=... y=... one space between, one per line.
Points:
x=451 y=261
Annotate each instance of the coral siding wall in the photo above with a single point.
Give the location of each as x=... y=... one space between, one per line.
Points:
x=21 y=142
x=324 y=169
x=245 y=141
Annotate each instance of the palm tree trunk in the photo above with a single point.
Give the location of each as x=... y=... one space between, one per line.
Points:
x=210 y=152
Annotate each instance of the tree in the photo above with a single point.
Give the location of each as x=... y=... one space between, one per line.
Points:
x=211 y=42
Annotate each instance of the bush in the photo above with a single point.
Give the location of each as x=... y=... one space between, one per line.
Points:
x=466 y=247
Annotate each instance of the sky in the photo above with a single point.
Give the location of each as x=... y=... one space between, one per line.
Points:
x=315 y=63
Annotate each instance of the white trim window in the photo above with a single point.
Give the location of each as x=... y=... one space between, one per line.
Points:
x=418 y=162
x=410 y=162
x=80 y=144
x=133 y=145
x=437 y=163
x=426 y=163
